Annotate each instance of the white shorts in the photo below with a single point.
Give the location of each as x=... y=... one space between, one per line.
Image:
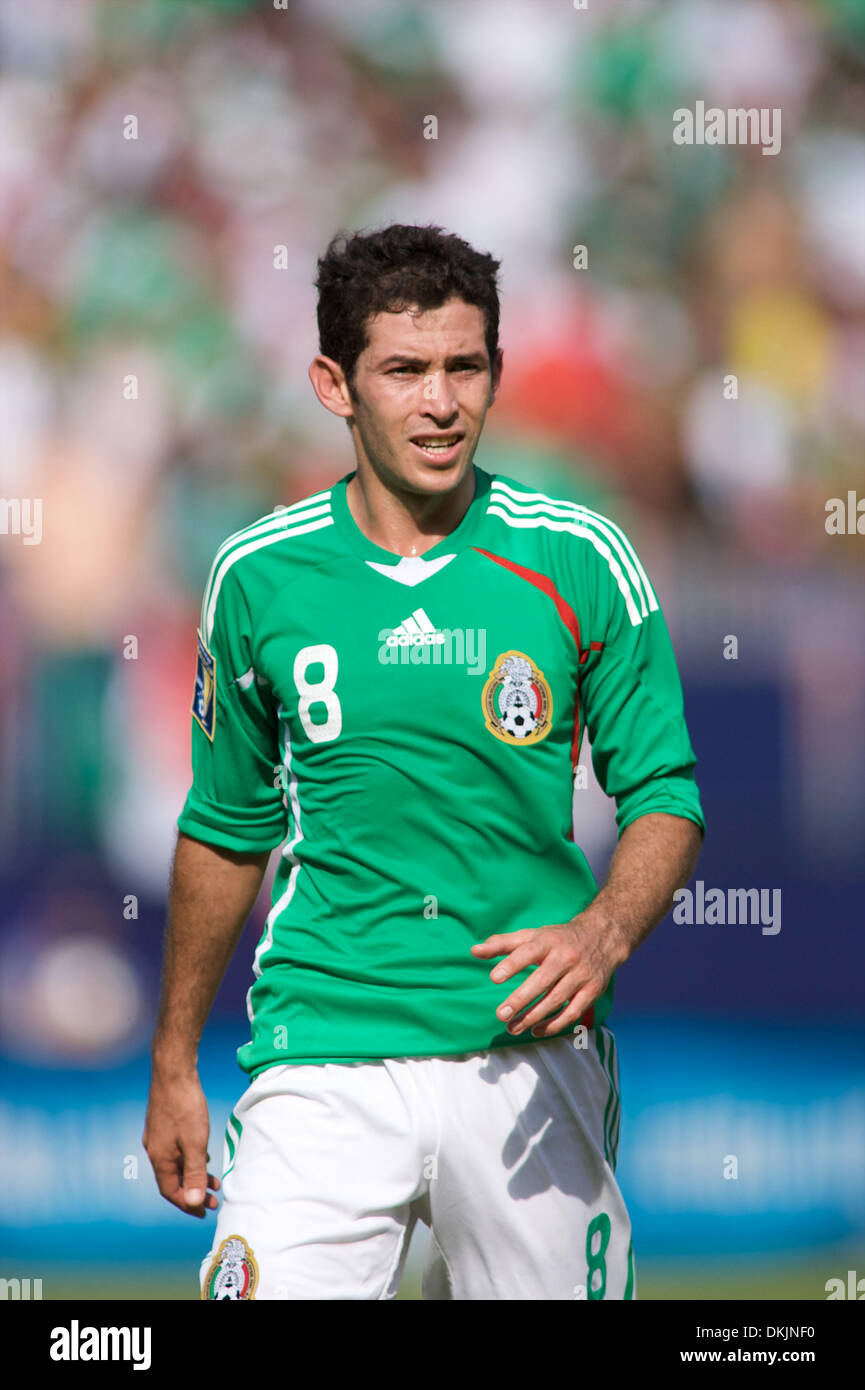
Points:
x=508 y=1156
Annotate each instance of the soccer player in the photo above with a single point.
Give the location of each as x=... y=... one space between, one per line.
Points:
x=394 y=678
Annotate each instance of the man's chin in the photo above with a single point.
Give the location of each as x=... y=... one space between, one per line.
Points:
x=429 y=476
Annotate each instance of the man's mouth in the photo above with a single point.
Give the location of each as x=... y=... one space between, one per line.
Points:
x=438 y=446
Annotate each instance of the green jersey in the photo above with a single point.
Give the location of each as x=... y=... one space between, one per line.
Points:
x=410 y=728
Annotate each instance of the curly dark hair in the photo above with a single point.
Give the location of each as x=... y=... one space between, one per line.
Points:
x=364 y=274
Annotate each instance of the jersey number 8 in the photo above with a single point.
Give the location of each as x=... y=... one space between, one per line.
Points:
x=318 y=692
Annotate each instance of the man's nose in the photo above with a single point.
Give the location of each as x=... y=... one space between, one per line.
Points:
x=438 y=392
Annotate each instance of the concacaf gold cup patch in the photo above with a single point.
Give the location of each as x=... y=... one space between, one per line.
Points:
x=204 y=698
x=233 y=1273
x=517 y=701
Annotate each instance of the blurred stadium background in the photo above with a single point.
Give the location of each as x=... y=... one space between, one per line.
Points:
x=182 y=260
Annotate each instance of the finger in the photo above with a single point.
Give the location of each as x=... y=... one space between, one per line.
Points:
x=504 y=942
x=571 y=1015
x=213 y=1183
x=168 y=1180
x=529 y=954
x=185 y=1202
x=555 y=999
x=540 y=980
x=539 y=943
x=166 y=1170
x=194 y=1180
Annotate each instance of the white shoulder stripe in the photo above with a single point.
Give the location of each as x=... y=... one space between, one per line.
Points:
x=273 y=521
x=317 y=500
x=591 y=517
x=607 y=528
x=311 y=506
x=588 y=513
x=256 y=543
x=592 y=537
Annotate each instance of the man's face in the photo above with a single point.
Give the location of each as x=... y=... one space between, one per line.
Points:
x=422 y=389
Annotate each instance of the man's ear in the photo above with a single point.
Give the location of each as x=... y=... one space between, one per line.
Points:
x=496 y=374
x=330 y=386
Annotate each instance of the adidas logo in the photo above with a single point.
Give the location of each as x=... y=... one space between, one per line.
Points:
x=416 y=631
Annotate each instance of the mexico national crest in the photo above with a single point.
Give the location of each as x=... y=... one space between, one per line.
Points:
x=233 y=1273
x=517 y=701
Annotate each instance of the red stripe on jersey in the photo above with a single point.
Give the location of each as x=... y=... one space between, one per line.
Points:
x=568 y=617
x=546 y=585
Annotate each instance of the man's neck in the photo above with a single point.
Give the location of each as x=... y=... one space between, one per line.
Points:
x=406 y=523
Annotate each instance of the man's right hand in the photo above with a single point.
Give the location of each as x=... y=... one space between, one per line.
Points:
x=176 y=1131
x=212 y=893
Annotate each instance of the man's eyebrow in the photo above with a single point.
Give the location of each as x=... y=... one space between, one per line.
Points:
x=403 y=359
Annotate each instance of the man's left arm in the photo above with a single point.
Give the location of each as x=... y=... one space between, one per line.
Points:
x=655 y=855
x=631 y=699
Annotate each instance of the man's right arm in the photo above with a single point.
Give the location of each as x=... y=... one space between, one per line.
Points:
x=212 y=893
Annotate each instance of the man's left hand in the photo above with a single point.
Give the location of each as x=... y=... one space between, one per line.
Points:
x=574 y=963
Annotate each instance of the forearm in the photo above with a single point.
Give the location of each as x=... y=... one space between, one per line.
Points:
x=211 y=895
x=656 y=854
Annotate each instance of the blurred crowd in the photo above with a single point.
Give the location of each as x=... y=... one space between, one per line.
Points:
x=170 y=172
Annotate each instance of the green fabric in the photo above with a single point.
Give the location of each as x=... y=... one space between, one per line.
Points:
x=416 y=824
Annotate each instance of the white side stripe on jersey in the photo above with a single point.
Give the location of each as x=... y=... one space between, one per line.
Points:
x=529 y=503
x=595 y=540
x=319 y=505
x=288 y=853
x=283 y=532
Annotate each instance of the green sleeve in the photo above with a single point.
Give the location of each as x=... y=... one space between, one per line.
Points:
x=630 y=691
x=236 y=799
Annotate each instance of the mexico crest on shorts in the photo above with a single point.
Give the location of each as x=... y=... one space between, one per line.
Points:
x=517 y=701
x=233 y=1273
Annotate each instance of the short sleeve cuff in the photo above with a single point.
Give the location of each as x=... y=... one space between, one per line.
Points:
x=231 y=831
x=671 y=796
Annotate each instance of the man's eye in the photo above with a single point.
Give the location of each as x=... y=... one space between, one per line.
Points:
x=413 y=371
